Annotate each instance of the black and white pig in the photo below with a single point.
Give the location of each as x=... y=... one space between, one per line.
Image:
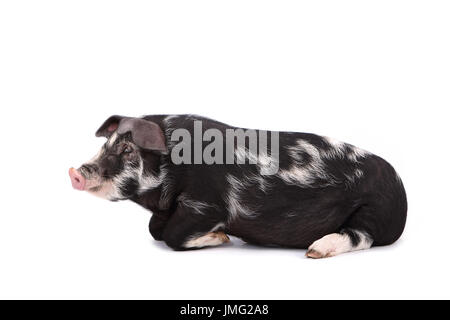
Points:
x=324 y=195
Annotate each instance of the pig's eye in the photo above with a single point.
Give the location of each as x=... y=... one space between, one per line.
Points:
x=127 y=149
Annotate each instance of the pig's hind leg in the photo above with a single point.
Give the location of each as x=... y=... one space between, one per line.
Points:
x=380 y=221
x=336 y=243
x=357 y=233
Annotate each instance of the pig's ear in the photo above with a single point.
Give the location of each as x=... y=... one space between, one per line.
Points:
x=146 y=134
x=109 y=126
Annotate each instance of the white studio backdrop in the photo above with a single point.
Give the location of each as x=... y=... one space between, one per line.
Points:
x=371 y=73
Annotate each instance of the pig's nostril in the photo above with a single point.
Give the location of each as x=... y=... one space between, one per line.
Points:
x=78 y=181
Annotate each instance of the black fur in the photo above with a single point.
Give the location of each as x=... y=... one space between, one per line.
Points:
x=342 y=190
x=354 y=236
x=289 y=214
x=129 y=187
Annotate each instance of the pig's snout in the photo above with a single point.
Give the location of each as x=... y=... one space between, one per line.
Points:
x=77 y=179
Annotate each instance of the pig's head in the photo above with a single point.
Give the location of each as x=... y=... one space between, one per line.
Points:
x=127 y=164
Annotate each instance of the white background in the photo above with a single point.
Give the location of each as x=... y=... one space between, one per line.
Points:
x=372 y=73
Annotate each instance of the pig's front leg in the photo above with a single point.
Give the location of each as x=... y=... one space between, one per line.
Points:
x=187 y=229
x=157 y=224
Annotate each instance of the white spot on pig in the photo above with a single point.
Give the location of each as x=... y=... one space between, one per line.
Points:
x=336 y=150
x=336 y=243
x=304 y=172
x=196 y=206
x=356 y=154
x=359 y=173
x=307 y=171
x=233 y=198
x=265 y=163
